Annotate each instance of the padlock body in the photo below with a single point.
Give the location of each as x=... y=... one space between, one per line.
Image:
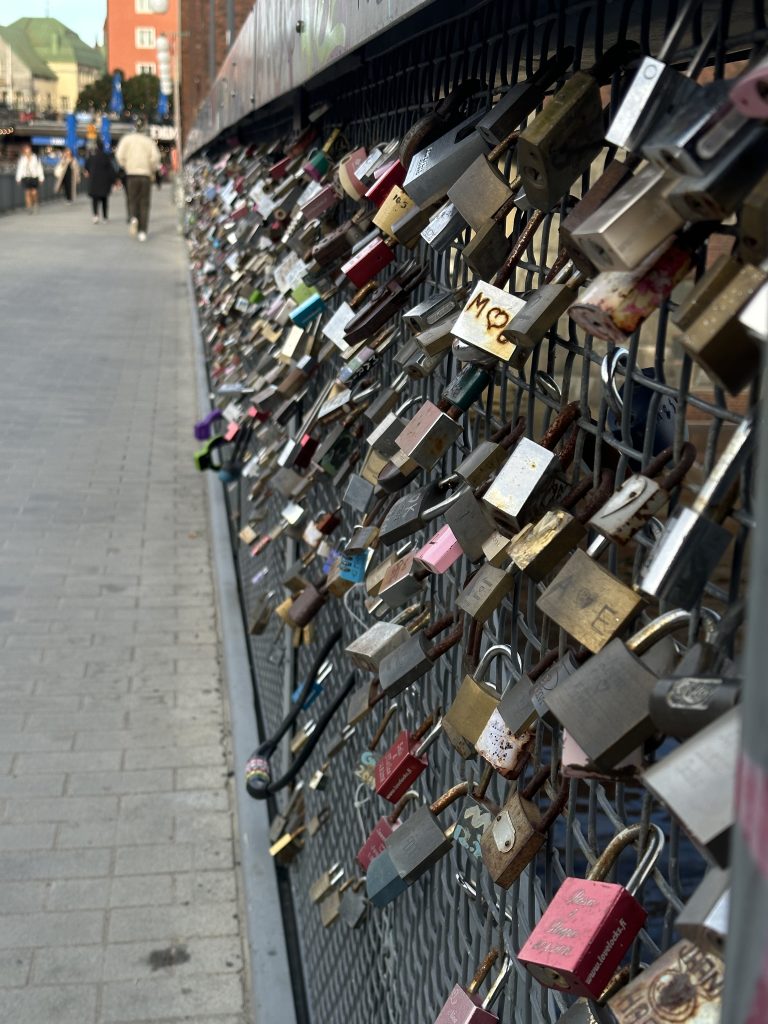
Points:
x=428 y=436
x=480 y=191
x=440 y=552
x=418 y=844
x=679 y=565
x=472 y=706
x=681 y=705
x=368 y=650
x=505 y=752
x=582 y=936
x=464 y=1008
x=383 y=884
x=483 y=461
x=530 y=479
x=398 y=769
x=540 y=547
x=486 y=315
x=366 y=264
x=628 y=510
x=684 y=985
x=405 y=665
x=512 y=840
x=375 y=843
x=485 y=592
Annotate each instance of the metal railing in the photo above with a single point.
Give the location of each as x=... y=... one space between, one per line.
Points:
x=400 y=967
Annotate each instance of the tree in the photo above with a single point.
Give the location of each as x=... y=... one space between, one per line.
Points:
x=140 y=95
x=96 y=96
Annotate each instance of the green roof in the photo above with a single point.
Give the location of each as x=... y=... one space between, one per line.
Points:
x=25 y=52
x=55 y=43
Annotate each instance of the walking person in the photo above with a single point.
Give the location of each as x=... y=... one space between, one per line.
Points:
x=30 y=175
x=139 y=157
x=67 y=174
x=100 y=172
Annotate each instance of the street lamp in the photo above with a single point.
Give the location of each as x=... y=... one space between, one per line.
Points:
x=168 y=48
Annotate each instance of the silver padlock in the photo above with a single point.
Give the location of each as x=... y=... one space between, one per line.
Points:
x=434 y=169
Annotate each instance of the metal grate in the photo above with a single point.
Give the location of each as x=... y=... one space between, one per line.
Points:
x=401 y=966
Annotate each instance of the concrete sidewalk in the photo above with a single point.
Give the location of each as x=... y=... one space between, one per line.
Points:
x=118 y=884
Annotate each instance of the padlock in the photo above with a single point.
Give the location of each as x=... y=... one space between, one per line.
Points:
x=382 y=437
x=752 y=244
x=716 y=276
x=384 y=827
x=433 y=310
x=392 y=208
x=203 y=427
x=464 y=1005
x=321 y=888
x=684 y=985
x=589 y=602
x=413 y=659
x=364 y=265
x=349 y=164
x=517 y=833
x=482 y=189
x=285 y=849
x=532 y=477
x=615 y=304
x=474 y=703
x=582 y=936
x=367 y=650
x=704 y=918
x=407 y=229
x=504 y=750
x=354 y=905
x=563 y=140
x=613 y=177
x=522 y=98
x=346 y=572
x=644 y=404
x=540 y=313
x=390 y=176
x=358 y=493
x=292 y=815
x=485 y=317
x=421 y=840
x=330 y=909
x=428 y=435
x=399 y=767
x=485 y=591
x=718 y=342
x=641 y=497
x=682 y=704
x=439 y=553
x=302 y=735
x=693 y=540
x=471 y=524
x=383 y=883
x=518 y=709
x=615 y=686
x=467 y=387
x=632 y=224
x=306 y=605
x=697 y=782
x=433 y=170
x=414 y=510
x=401 y=581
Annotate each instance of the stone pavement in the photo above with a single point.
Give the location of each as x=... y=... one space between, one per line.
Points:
x=118 y=885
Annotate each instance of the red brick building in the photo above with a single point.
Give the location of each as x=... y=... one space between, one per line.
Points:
x=130 y=34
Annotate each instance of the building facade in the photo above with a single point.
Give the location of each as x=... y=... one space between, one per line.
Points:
x=130 y=35
x=59 y=65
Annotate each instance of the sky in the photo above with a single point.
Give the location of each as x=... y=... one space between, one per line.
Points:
x=86 y=17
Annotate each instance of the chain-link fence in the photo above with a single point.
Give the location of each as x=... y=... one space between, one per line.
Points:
x=400 y=966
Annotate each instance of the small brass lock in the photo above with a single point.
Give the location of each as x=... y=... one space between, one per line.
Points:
x=473 y=704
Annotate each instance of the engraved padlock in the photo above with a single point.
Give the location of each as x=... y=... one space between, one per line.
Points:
x=519 y=830
x=485 y=591
x=421 y=840
x=604 y=705
x=402 y=764
x=684 y=985
x=414 y=510
x=582 y=936
x=474 y=703
x=484 y=318
x=697 y=782
x=434 y=169
x=466 y=1006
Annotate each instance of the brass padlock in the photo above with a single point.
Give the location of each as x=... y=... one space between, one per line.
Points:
x=482 y=189
x=589 y=602
x=485 y=592
x=604 y=704
x=563 y=140
x=519 y=830
x=473 y=704
x=752 y=246
x=321 y=888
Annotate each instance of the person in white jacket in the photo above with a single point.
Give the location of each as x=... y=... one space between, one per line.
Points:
x=139 y=157
x=30 y=174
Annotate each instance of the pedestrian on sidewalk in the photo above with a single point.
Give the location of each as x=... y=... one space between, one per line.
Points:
x=30 y=175
x=67 y=174
x=101 y=174
x=139 y=157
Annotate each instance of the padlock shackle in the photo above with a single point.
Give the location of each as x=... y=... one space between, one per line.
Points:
x=597 y=496
x=450 y=796
x=430 y=738
x=559 y=800
x=442 y=506
x=499 y=651
x=557 y=428
x=382 y=728
x=517 y=251
x=656 y=630
x=439 y=649
x=401 y=804
x=498 y=983
x=482 y=972
x=615 y=58
x=620 y=842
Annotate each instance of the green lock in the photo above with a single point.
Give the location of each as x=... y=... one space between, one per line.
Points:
x=467 y=386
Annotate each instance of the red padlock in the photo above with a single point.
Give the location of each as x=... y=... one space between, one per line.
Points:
x=391 y=175
x=585 y=931
x=401 y=765
x=384 y=827
x=366 y=264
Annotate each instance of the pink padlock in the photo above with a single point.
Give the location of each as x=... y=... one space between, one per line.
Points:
x=321 y=202
x=465 y=1006
x=440 y=552
x=232 y=431
x=391 y=174
x=366 y=264
x=749 y=93
x=348 y=179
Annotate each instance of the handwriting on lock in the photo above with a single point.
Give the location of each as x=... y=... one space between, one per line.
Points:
x=496 y=318
x=366 y=769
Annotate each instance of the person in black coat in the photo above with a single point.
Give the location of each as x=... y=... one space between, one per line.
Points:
x=101 y=174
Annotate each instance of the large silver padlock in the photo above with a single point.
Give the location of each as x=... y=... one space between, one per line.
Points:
x=434 y=169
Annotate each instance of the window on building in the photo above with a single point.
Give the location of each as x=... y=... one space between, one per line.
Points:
x=146 y=69
x=64 y=103
x=145 y=39
x=143 y=7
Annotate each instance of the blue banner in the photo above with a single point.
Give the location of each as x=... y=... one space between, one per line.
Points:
x=106 y=133
x=116 y=102
x=71 y=136
x=163 y=107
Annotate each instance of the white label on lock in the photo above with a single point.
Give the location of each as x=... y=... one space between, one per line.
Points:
x=334 y=329
x=486 y=315
x=289 y=272
x=232 y=412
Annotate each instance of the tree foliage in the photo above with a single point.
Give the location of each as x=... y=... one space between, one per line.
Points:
x=140 y=95
x=96 y=96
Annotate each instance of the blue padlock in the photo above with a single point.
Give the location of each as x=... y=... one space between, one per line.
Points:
x=353 y=567
x=308 y=310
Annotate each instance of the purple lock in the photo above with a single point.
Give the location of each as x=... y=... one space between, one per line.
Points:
x=203 y=427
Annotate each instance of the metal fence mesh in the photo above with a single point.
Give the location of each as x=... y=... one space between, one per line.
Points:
x=401 y=965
